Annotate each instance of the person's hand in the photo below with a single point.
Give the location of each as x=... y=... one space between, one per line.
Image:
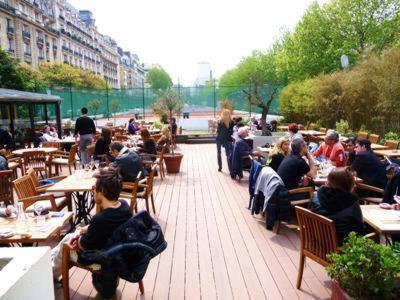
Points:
x=9 y=210
x=256 y=153
x=73 y=242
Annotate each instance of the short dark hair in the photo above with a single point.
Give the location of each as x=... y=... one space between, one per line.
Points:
x=84 y=110
x=109 y=183
x=364 y=143
x=116 y=146
x=297 y=145
x=352 y=139
x=273 y=122
x=293 y=127
x=342 y=179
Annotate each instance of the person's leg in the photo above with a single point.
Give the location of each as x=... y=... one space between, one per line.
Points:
x=228 y=147
x=219 y=155
x=56 y=255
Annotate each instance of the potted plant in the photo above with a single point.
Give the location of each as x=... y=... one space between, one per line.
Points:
x=168 y=103
x=68 y=127
x=364 y=269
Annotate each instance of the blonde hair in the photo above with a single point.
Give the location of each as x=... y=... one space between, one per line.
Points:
x=278 y=147
x=225 y=117
x=165 y=131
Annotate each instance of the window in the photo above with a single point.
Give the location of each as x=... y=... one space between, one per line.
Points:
x=27 y=48
x=10 y=44
x=40 y=52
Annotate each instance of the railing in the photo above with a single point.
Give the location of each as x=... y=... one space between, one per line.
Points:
x=10 y=29
x=11 y=50
x=39 y=40
x=26 y=34
x=27 y=54
x=7 y=7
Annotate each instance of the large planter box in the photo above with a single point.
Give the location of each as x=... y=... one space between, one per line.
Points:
x=173 y=162
x=337 y=292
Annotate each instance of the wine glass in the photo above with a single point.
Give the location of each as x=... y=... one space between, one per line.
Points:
x=96 y=164
x=32 y=145
x=38 y=211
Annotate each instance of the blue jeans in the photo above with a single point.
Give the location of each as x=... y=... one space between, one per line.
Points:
x=227 y=146
x=84 y=141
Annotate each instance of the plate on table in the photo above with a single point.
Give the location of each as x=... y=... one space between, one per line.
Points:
x=6 y=233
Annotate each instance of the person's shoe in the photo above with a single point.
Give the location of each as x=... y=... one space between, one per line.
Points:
x=219 y=169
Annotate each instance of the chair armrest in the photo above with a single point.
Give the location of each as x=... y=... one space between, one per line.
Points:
x=44 y=197
x=142 y=181
x=143 y=185
x=15 y=159
x=301 y=190
x=363 y=186
x=43 y=188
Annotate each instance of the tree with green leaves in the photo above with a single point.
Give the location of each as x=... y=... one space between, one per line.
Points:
x=10 y=77
x=114 y=106
x=168 y=103
x=94 y=105
x=159 y=79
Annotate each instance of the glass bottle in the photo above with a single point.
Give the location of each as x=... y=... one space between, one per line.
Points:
x=21 y=224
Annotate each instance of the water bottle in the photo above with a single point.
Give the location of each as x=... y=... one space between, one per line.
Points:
x=21 y=224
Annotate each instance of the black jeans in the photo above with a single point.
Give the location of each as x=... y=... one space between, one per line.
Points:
x=227 y=146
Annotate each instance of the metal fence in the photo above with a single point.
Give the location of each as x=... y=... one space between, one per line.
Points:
x=139 y=100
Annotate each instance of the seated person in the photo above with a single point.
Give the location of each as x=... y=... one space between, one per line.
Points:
x=6 y=139
x=102 y=146
x=350 y=150
x=331 y=149
x=95 y=235
x=47 y=136
x=294 y=167
x=173 y=127
x=239 y=153
x=132 y=127
x=293 y=132
x=149 y=145
x=272 y=126
x=164 y=139
x=3 y=160
x=338 y=203
x=280 y=151
x=53 y=133
x=127 y=161
x=368 y=166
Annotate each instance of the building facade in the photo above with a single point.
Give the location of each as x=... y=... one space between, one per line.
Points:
x=36 y=31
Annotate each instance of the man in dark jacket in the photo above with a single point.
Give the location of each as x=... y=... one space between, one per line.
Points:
x=127 y=161
x=368 y=166
x=85 y=127
x=6 y=139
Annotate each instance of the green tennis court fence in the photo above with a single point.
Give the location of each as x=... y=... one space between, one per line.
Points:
x=139 y=100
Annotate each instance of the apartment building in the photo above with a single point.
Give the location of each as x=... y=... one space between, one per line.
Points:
x=36 y=31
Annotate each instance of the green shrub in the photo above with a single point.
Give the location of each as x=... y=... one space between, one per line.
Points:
x=342 y=127
x=392 y=136
x=158 y=125
x=365 y=269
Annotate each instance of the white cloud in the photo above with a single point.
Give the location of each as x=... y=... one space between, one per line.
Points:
x=178 y=34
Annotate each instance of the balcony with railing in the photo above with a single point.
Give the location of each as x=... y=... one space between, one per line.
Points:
x=26 y=34
x=40 y=40
x=10 y=29
x=7 y=7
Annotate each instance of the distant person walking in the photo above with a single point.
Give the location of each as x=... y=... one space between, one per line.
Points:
x=224 y=135
x=85 y=127
x=186 y=110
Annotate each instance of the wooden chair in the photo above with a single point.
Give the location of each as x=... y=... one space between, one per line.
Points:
x=119 y=131
x=15 y=163
x=392 y=145
x=67 y=263
x=374 y=138
x=317 y=239
x=63 y=158
x=36 y=160
x=120 y=138
x=322 y=129
x=129 y=193
x=147 y=184
x=306 y=201
x=27 y=193
x=362 y=135
x=159 y=160
x=51 y=145
x=370 y=200
x=6 y=190
x=90 y=150
x=37 y=183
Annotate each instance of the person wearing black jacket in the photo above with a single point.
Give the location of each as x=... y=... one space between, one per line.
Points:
x=280 y=151
x=85 y=127
x=224 y=135
x=128 y=162
x=149 y=144
x=102 y=146
x=337 y=202
x=368 y=167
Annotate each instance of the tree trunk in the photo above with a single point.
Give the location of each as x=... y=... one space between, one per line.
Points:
x=264 y=115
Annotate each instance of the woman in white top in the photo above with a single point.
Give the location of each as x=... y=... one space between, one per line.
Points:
x=293 y=131
x=47 y=135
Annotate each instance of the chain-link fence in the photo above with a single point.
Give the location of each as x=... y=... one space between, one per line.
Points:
x=139 y=100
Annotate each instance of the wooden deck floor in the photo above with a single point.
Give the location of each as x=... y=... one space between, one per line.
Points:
x=216 y=249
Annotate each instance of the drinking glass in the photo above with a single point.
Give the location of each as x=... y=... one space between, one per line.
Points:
x=96 y=164
x=39 y=218
x=32 y=145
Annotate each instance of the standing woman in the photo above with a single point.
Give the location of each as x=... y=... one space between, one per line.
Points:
x=224 y=133
x=280 y=151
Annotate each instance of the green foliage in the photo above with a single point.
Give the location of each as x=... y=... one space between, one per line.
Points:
x=168 y=103
x=365 y=269
x=32 y=79
x=114 y=106
x=158 y=125
x=68 y=124
x=10 y=77
x=159 y=79
x=94 y=105
x=392 y=136
x=343 y=127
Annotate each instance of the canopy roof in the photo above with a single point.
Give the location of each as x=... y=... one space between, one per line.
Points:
x=7 y=95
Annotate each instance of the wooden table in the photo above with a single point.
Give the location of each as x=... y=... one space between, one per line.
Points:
x=322 y=178
x=312 y=132
x=38 y=234
x=47 y=150
x=388 y=153
x=265 y=151
x=342 y=139
x=378 y=147
x=383 y=221
x=80 y=186
x=68 y=140
x=282 y=127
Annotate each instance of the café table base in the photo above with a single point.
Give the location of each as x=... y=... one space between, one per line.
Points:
x=84 y=203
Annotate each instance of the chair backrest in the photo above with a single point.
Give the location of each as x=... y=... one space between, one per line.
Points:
x=374 y=138
x=317 y=235
x=362 y=135
x=24 y=187
x=119 y=131
x=72 y=154
x=150 y=179
x=163 y=150
x=322 y=129
x=132 y=187
x=392 y=145
x=311 y=126
x=120 y=138
x=35 y=160
x=6 y=191
x=32 y=174
x=51 y=145
x=90 y=150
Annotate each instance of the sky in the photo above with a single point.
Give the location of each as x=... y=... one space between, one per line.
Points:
x=178 y=34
